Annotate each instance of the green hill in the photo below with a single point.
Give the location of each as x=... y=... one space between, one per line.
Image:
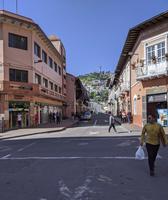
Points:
x=95 y=84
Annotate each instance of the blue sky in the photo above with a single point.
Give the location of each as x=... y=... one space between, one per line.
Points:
x=93 y=31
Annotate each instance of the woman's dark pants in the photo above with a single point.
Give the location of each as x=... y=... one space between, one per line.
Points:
x=152 y=153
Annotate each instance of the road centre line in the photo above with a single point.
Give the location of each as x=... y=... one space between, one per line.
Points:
x=69 y=158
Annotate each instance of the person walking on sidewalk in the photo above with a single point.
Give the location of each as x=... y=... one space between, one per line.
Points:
x=154 y=134
x=111 y=122
x=19 y=120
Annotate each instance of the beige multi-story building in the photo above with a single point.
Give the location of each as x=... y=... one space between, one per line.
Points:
x=32 y=72
x=141 y=76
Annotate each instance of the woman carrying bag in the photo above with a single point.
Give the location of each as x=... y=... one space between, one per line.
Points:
x=154 y=134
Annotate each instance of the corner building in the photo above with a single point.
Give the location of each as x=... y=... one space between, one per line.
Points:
x=32 y=72
x=145 y=54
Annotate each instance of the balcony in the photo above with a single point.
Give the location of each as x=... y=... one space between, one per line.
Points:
x=152 y=71
x=125 y=86
x=19 y=88
x=45 y=92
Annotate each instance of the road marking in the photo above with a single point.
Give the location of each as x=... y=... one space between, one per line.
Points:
x=79 y=191
x=83 y=143
x=6 y=156
x=103 y=178
x=69 y=158
x=126 y=143
x=25 y=147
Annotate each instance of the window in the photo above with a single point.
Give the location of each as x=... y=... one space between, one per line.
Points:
x=17 y=41
x=51 y=85
x=55 y=67
x=161 y=52
x=56 y=88
x=18 y=75
x=60 y=90
x=64 y=86
x=37 y=50
x=50 y=62
x=44 y=56
x=135 y=105
x=157 y=51
x=38 y=79
x=45 y=82
x=59 y=68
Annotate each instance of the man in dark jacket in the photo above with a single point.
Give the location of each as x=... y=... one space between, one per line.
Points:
x=111 y=122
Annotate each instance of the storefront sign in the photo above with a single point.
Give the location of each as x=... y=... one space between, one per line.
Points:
x=157 y=98
x=156 y=90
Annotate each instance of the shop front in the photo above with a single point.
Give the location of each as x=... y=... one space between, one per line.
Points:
x=22 y=108
x=43 y=112
x=157 y=106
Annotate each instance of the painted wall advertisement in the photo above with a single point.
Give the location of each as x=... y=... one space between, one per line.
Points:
x=162 y=117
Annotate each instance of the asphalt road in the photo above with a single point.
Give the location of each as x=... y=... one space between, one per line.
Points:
x=79 y=167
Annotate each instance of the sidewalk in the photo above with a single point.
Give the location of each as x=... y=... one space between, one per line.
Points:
x=136 y=129
x=44 y=128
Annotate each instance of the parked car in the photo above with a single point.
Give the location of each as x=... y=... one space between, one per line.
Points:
x=86 y=116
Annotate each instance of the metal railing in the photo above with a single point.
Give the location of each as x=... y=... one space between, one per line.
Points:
x=154 y=69
x=125 y=86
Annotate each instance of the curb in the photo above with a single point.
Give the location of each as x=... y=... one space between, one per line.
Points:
x=29 y=134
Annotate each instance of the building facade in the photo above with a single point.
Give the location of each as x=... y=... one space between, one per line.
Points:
x=33 y=72
x=71 y=95
x=143 y=66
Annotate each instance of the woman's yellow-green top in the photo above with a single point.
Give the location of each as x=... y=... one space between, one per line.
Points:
x=154 y=134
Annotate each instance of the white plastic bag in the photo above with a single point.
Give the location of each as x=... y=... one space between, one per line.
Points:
x=140 y=155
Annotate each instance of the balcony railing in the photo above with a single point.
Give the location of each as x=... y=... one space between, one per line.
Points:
x=152 y=70
x=46 y=92
x=19 y=88
x=125 y=86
